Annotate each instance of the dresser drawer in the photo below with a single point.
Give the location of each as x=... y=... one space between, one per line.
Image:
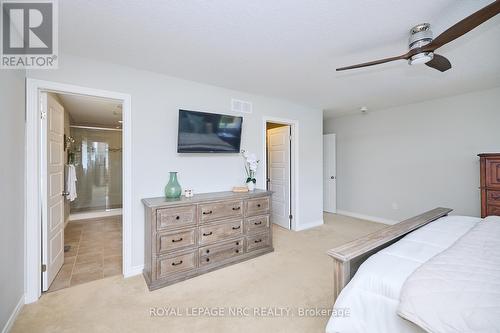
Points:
x=493 y=210
x=178 y=217
x=213 y=254
x=492 y=172
x=257 y=224
x=494 y=198
x=170 y=241
x=258 y=241
x=257 y=206
x=221 y=210
x=176 y=263
x=211 y=233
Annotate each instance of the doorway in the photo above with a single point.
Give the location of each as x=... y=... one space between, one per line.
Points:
x=329 y=174
x=52 y=145
x=81 y=175
x=280 y=170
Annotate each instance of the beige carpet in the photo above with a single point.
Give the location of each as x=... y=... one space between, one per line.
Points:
x=270 y=291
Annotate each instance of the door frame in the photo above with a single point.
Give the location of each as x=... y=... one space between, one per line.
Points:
x=33 y=178
x=294 y=163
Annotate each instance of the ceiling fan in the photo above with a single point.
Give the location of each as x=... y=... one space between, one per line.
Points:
x=422 y=45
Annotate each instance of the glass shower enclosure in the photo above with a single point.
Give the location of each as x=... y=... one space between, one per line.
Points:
x=97 y=156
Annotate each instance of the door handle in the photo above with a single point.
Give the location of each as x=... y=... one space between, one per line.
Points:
x=65 y=194
x=332 y=177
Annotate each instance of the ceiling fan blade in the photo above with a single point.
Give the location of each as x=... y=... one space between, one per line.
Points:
x=439 y=62
x=464 y=26
x=371 y=63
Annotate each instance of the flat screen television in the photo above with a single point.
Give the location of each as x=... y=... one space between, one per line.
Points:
x=201 y=132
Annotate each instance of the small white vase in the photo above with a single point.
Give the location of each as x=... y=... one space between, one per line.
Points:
x=251 y=186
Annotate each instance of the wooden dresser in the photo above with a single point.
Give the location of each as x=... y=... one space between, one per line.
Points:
x=490 y=184
x=187 y=237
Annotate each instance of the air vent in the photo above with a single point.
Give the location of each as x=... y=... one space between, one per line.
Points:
x=241 y=106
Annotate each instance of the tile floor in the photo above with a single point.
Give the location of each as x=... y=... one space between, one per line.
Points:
x=95 y=253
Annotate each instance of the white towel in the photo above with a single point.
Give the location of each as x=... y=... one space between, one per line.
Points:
x=71 y=182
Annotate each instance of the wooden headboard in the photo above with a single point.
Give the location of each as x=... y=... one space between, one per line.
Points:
x=348 y=257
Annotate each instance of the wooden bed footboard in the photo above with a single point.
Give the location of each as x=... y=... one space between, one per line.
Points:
x=348 y=257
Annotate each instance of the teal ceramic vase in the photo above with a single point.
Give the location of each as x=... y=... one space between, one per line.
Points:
x=173 y=189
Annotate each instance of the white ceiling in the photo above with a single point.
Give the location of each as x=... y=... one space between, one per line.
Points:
x=288 y=48
x=92 y=111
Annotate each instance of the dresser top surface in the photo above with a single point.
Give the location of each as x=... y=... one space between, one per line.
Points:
x=489 y=155
x=203 y=197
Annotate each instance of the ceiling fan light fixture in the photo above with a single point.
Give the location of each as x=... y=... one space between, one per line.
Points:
x=420 y=35
x=421 y=58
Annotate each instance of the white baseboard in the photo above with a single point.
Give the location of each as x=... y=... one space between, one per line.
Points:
x=366 y=217
x=309 y=225
x=135 y=270
x=13 y=315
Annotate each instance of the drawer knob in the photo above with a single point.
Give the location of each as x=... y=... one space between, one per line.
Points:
x=177 y=263
x=207 y=233
x=236 y=208
x=208 y=259
x=208 y=251
x=258 y=240
x=207 y=213
x=237 y=243
x=236 y=228
x=258 y=223
x=177 y=217
x=237 y=251
x=258 y=205
x=176 y=240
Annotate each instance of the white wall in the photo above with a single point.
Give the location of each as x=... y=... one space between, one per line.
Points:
x=11 y=191
x=155 y=103
x=399 y=162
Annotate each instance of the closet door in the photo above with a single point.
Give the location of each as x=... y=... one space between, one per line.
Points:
x=52 y=188
x=329 y=174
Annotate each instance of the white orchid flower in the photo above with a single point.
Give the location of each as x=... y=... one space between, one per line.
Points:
x=251 y=165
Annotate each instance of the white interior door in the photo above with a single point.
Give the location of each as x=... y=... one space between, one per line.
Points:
x=329 y=174
x=52 y=188
x=278 y=141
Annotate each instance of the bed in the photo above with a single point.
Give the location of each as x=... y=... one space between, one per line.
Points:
x=372 y=274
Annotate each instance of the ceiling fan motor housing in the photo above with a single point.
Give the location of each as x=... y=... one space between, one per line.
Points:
x=420 y=35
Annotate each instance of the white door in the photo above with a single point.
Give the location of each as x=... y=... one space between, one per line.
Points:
x=329 y=174
x=278 y=146
x=52 y=188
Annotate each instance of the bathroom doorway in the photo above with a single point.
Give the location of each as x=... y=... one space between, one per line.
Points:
x=40 y=254
x=82 y=164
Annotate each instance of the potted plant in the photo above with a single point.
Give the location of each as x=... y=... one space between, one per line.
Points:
x=251 y=164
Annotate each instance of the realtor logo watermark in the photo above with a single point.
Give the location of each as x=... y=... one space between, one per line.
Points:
x=29 y=34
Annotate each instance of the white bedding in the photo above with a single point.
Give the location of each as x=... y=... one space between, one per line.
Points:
x=459 y=289
x=372 y=296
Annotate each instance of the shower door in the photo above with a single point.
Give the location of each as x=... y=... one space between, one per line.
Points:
x=97 y=156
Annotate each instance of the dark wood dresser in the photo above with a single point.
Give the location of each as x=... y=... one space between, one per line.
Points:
x=490 y=184
x=187 y=237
